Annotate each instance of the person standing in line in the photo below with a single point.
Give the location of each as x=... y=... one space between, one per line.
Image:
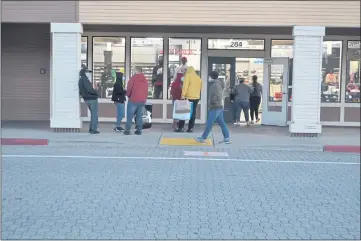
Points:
x=90 y=97
x=255 y=99
x=176 y=93
x=157 y=79
x=242 y=94
x=137 y=92
x=118 y=97
x=216 y=109
x=191 y=90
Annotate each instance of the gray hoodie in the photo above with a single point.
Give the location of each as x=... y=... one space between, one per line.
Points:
x=242 y=92
x=215 y=100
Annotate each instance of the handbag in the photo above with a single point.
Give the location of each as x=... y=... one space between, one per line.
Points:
x=182 y=106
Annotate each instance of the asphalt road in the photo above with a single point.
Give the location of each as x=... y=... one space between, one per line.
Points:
x=102 y=191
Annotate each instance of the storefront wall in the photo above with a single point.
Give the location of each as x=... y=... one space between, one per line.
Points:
x=336 y=109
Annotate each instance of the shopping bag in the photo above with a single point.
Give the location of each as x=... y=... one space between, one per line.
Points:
x=183 y=116
x=182 y=106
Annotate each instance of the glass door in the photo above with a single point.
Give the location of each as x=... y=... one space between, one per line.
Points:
x=226 y=68
x=275 y=87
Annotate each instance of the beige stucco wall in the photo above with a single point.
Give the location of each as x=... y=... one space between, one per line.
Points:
x=239 y=13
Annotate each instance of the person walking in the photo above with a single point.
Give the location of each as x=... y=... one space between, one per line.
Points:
x=255 y=99
x=242 y=94
x=176 y=93
x=216 y=109
x=137 y=92
x=118 y=97
x=191 y=90
x=90 y=97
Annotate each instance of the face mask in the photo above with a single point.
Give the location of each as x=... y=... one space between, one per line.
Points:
x=182 y=79
x=210 y=79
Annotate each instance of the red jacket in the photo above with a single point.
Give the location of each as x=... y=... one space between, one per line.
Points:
x=176 y=87
x=137 y=89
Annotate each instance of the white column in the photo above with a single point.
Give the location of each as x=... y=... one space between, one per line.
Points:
x=65 y=67
x=307 y=75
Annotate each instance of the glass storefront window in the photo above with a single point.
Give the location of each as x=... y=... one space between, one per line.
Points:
x=353 y=72
x=108 y=58
x=284 y=48
x=147 y=53
x=236 y=44
x=331 y=71
x=183 y=49
x=84 y=51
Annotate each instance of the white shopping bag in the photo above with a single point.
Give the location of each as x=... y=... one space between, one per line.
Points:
x=182 y=116
x=182 y=106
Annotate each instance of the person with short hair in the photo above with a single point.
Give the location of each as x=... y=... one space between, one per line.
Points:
x=137 y=93
x=242 y=94
x=216 y=109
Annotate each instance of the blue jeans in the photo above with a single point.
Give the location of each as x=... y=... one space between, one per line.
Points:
x=93 y=107
x=216 y=116
x=136 y=109
x=120 y=113
x=242 y=105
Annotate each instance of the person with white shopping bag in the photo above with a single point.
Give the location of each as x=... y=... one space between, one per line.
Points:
x=216 y=109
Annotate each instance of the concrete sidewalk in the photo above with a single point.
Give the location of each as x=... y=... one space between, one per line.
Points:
x=255 y=137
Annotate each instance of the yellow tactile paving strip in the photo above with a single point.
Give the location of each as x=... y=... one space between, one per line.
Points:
x=183 y=142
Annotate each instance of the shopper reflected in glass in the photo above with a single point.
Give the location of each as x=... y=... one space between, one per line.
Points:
x=157 y=79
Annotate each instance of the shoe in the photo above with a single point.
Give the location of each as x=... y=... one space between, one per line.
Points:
x=137 y=132
x=238 y=123
x=178 y=130
x=200 y=139
x=252 y=122
x=258 y=119
x=118 y=129
x=225 y=141
x=248 y=123
x=94 y=132
x=127 y=133
x=190 y=130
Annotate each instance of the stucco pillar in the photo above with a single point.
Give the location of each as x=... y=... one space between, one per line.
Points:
x=65 y=67
x=307 y=76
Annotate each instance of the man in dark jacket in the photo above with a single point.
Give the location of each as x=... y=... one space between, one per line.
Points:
x=90 y=97
x=157 y=79
x=215 y=112
x=118 y=97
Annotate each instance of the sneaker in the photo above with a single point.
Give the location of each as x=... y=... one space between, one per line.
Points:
x=226 y=141
x=190 y=130
x=248 y=123
x=127 y=133
x=118 y=129
x=94 y=132
x=238 y=123
x=258 y=120
x=138 y=132
x=200 y=139
x=178 y=130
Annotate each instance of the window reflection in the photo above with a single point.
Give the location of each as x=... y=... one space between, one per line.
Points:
x=147 y=53
x=183 y=53
x=353 y=72
x=84 y=51
x=331 y=68
x=108 y=58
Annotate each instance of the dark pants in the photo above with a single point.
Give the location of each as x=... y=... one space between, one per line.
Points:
x=193 y=116
x=158 y=91
x=254 y=103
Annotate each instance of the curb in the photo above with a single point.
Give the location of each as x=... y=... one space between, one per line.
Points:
x=342 y=148
x=24 y=142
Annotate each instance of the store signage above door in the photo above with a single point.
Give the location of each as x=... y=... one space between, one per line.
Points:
x=236 y=44
x=353 y=44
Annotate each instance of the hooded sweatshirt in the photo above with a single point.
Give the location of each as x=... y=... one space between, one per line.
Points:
x=137 y=89
x=176 y=88
x=118 y=95
x=242 y=92
x=86 y=89
x=215 y=100
x=192 y=85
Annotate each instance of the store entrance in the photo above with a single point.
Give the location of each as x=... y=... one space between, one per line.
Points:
x=230 y=69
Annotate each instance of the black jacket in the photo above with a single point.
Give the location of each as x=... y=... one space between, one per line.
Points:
x=86 y=89
x=119 y=92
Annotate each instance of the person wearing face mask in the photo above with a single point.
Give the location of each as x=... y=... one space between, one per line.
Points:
x=242 y=93
x=176 y=93
x=216 y=109
x=118 y=97
x=90 y=97
x=181 y=68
